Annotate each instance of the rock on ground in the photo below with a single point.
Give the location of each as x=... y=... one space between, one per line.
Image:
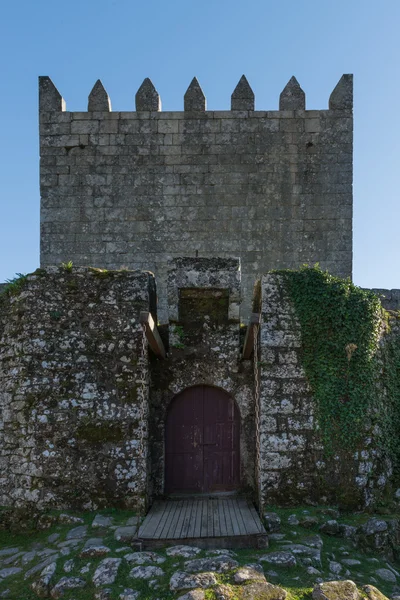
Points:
x=142 y=572
x=94 y=551
x=386 y=575
x=129 y=594
x=249 y=573
x=107 y=571
x=373 y=593
x=100 y=521
x=186 y=581
x=272 y=522
x=266 y=591
x=336 y=590
x=125 y=534
x=76 y=532
x=66 y=583
x=193 y=595
x=41 y=587
x=220 y=564
x=282 y=559
x=141 y=558
x=183 y=551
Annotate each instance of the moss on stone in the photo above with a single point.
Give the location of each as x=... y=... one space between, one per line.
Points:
x=99 y=433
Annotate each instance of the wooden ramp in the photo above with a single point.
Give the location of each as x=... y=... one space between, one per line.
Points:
x=203 y=522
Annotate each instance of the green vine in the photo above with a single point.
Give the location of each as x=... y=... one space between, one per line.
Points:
x=354 y=376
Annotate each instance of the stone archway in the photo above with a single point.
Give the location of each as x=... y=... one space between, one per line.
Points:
x=202 y=442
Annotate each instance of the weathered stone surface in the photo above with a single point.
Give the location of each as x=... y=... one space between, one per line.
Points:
x=373 y=593
x=335 y=567
x=243 y=96
x=41 y=587
x=351 y=562
x=386 y=575
x=8 y=552
x=282 y=559
x=69 y=519
x=373 y=526
x=264 y=591
x=100 y=521
x=4 y=573
x=125 y=534
x=148 y=572
x=186 y=581
x=272 y=522
x=336 y=590
x=129 y=594
x=97 y=419
x=107 y=571
x=76 y=533
x=220 y=564
x=147 y=97
x=193 y=595
x=141 y=558
x=41 y=565
x=49 y=96
x=94 y=551
x=249 y=573
x=292 y=97
x=104 y=594
x=183 y=551
x=194 y=99
x=98 y=98
x=66 y=583
x=342 y=96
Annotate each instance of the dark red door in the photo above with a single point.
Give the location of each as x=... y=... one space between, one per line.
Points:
x=202 y=437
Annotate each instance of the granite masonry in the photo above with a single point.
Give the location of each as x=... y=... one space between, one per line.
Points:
x=138 y=189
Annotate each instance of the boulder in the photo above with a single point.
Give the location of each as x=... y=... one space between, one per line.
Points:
x=373 y=593
x=94 y=552
x=129 y=594
x=41 y=587
x=336 y=590
x=249 y=573
x=76 y=533
x=125 y=534
x=386 y=575
x=193 y=595
x=100 y=521
x=264 y=591
x=373 y=526
x=186 y=581
x=331 y=527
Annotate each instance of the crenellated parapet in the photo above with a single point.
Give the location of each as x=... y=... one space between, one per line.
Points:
x=147 y=97
x=140 y=188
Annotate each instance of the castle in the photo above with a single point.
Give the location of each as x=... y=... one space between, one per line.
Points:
x=162 y=223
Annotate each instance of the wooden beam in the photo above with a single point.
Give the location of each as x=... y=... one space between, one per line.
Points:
x=153 y=337
x=249 y=339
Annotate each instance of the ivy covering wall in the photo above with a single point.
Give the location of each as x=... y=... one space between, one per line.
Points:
x=351 y=356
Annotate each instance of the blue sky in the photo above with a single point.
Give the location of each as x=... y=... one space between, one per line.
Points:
x=124 y=41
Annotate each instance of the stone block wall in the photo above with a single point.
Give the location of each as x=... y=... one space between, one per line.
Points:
x=141 y=188
x=73 y=410
x=390 y=299
x=294 y=467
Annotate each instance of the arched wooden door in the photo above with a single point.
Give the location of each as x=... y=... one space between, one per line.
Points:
x=202 y=439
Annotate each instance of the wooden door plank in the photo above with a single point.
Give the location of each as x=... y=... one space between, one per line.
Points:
x=152 y=521
x=187 y=519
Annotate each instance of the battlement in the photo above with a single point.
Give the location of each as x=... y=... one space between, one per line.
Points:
x=139 y=189
x=148 y=99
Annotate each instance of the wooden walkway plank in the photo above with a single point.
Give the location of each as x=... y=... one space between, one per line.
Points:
x=152 y=520
x=204 y=519
x=215 y=513
x=222 y=521
x=167 y=528
x=186 y=519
